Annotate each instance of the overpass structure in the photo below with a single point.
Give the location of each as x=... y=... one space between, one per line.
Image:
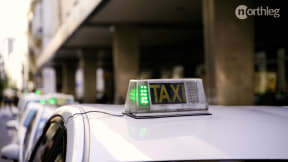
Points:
x=143 y=39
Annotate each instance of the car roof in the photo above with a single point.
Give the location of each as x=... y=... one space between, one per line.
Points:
x=56 y=95
x=28 y=98
x=47 y=111
x=229 y=133
x=34 y=104
x=31 y=96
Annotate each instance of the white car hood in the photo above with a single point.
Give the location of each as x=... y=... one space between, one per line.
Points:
x=230 y=133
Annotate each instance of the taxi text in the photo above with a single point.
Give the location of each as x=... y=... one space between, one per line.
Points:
x=167 y=93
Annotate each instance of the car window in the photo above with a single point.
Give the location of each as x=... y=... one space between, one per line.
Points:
x=29 y=131
x=26 y=105
x=23 y=109
x=39 y=129
x=29 y=117
x=52 y=144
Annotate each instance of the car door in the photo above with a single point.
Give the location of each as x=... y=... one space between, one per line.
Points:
x=51 y=146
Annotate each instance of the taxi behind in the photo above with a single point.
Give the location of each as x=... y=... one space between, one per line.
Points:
x=34 y=130
x=23 y=103
x=34 y=113
x=10 y=151
x=164 y=120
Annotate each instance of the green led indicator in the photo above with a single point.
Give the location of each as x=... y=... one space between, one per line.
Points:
x=42 y=101
x=143 y=95
x=132 y=94
x=52 y=101
x=37 y=92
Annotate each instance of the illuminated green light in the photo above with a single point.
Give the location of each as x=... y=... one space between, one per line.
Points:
x=42 y=101
x=143 y=95
x=52 y=101
x=38 y=92
x=132 y=94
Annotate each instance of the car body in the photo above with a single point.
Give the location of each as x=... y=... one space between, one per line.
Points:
x=25 y=119
x=34 y=130
x=33 y=111
x=26 y=99
x=32 y=97
x=23 y=103
x=91 y=133
x=17 y=139
x=58 y=99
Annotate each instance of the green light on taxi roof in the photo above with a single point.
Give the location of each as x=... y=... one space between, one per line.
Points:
x=52 y=101
x=143 y=95
x=37 y=92
x=42 y=101
x=132 y=94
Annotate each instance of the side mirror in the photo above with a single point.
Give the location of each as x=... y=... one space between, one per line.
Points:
x=10 y=152
x=12 y=124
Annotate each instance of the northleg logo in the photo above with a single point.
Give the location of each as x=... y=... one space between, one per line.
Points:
x=243 y=12
x=240 y=12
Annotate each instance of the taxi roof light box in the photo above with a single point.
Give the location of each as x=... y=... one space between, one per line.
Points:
x=165 y=96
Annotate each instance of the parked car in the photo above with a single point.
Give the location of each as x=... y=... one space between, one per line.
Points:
x=161 y=123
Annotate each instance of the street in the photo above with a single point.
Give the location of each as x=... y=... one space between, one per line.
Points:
x=5 y=115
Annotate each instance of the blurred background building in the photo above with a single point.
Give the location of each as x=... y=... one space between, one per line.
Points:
x=91 y=48
x=14 y=63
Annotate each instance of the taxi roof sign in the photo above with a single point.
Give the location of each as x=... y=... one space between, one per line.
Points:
x=39 y=92
x=58 y=99
x=165 y=96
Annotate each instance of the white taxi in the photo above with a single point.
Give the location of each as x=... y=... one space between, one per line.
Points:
x=11 y=151
x=56 y=99
x=33 y=113
x=34 y=130
x=24 y=101
x=163 y=120
x=28 y=98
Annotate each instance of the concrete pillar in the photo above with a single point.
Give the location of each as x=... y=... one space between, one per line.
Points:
x=89 y=66
x=229 y=51
x=281 y=70
x=49 y=80
x=59 y=77
x=38 y=80
x=68 y=80
x=126 y=59
x=261 y=75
